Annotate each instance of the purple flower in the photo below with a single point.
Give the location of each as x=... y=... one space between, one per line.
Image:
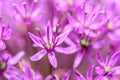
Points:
x=28 y=12
x=66 y=5
x=5 y=34
x=7 y=63
x=86 y=19
x=88 y=75
x=107 y=68
x=48 y=45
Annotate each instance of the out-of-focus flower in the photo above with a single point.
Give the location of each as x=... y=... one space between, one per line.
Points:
x=88 y=17
x=48 y=45
x=25 y=72
x=107 y=68
x=5 y=34
x=28 y=12
x=89 y=75
x=67 y=5
x=7 y=63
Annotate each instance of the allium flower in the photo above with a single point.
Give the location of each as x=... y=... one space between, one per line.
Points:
x=87 y=18
x=5 y=34
x=48 y=45
x=66 y=76
x=89 y=75
x=7 y=64
x=27 y=13
x=107 y=68
x=66 y=5
x=25 y=73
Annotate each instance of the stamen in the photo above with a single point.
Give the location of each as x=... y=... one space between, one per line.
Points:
x=107 y=69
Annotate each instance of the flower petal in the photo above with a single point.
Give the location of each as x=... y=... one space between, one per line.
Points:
x=2 y=45
x=66 y=76
x=35 y=39
x=67 y=50
x=116 y=70
x=100 y=59
x=114 y=58
x=14 y=60
x=99 y=71
x=89 y=73
x=62 y=37
x=52 y=59
x=78 y=75
x=99 y=44
x=78 y=59
x=38 y=55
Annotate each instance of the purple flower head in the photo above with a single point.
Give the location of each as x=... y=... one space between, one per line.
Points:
x=7 y=63
x=48 y=45
x=5 y=34
x=107 y=68
x=86 y=19
x=88 y=75
x=67 y=5
x=27 y=12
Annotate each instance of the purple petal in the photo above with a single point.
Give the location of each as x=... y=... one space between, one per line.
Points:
x=67 y=50
x=114 y=58
x=62 y=37
x=99 y=71
x=28 y=71
x=7 y=32
x=66 y=76
x=100 y=77
x=35 y=39
x=14 y=60
x=100 y=59
x=78 y=59
x=2 y=45
x=52 y=59
x=73 y=22
x=89 y=73
x=99 y=44
x=38 y=55
x=78 y=75
x=116 y=70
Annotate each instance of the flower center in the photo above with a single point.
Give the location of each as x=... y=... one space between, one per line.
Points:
x=49 y=45
x=85 y=43
x=110 y=26
x=70 y=2
x=107 y=69
x=86 y=24
x=2 y=65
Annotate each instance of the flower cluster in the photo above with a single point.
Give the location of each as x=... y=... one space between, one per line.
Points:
x=59 y=40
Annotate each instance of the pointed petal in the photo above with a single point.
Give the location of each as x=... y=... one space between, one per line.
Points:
x=114 y=58
x=38 y=55
x=99 y=77
x=73 y=22
x=35 y=39
x=78 y=59
x=99 y=71
x=52 y=59
x=78 y=75
x=7 y=32
x=14 y=60
x=89 y=73
x=66 y=76
x=100 y=59
x=99 y=44
x=116 y=70
x=67 y=50
x=62 y=37
x=2 y=45
x=28 y=71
